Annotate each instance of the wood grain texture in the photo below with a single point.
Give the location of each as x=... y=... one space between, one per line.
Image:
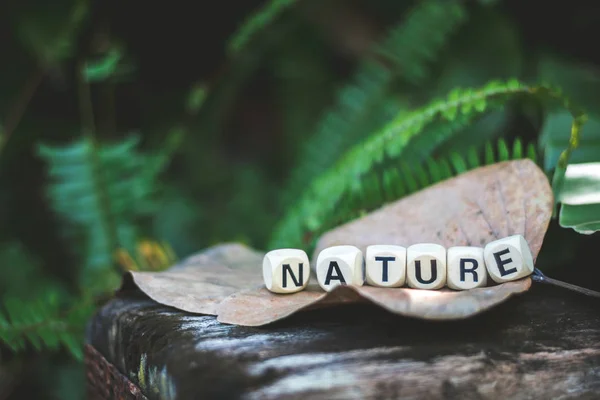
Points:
x=543 y=345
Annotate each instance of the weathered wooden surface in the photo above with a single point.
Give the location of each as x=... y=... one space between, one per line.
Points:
x=540 y=345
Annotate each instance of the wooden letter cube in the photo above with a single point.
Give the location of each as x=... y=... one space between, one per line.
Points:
x=508 y=259
x=340 y=265
x=385 y=265
x=286 y=270
x=426 y=266
x=466 y=268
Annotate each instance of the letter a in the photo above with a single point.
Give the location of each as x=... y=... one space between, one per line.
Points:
x=338 y=274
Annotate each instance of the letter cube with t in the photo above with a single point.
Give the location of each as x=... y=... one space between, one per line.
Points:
x=340 y=265
x=286 y=270
x=508 y=259
x=385 y=265
x=426 y=266
x=466 y=268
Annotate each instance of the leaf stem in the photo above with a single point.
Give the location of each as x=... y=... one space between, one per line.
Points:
x=86 y=109
x=538 y=276
x=88 y=127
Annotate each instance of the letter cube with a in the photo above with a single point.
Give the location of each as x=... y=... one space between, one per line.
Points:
x=426 y=266
x=385 y=265
x=286 y=270
x=466 y=268
x=508 y=259
x=340 y=265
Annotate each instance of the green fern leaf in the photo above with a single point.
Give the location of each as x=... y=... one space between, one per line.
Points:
x=517 y=149
x=414 y=43
x=49 y=31
x=256 y=22
x=532 y=152
x=489 y=154
x=367 y=104
x=42 y=324
x=101 y=192
x=321 y=198
x=400 y=175
x=473 y=158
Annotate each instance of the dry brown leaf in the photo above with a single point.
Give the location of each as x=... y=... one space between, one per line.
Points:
x=472 y=209
x=201 y=282
x=260 y=307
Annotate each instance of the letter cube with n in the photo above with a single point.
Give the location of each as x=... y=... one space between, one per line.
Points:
x=508 y=259
x=385 y=265
x=340 y=265
x=426 y=266
x=286 y=270
x=466 y=268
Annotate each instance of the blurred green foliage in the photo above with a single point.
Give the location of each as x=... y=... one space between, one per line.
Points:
x=133 y=134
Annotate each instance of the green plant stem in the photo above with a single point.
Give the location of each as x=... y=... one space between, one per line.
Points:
x=561 y=167
x=87 y=120
x=86 y=109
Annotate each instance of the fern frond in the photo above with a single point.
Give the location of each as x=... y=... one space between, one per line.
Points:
x=397 y=180
x=257 y=21
x=101 y=191
x=366 y=104
x=41 y=324
x=414 y=43
x=322 y=197
x=20 y=271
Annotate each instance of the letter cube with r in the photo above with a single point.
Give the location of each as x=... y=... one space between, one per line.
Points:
x=466 y=268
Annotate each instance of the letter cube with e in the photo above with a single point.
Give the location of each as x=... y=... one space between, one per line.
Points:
x=508 y=259
x=286 y=270
x=340 y=265
x=426 y=266
x=385 y=265
x=466 y=268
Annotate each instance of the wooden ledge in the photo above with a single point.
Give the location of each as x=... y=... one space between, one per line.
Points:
x=543 y=344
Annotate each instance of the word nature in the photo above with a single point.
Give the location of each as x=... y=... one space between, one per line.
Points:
x=420 y=266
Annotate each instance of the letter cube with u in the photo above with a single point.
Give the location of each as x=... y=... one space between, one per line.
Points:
x=286 y=270
x=426 y=266
x=340 y=265
x=508 y=259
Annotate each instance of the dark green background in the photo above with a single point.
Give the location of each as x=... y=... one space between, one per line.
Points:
x=226 y=179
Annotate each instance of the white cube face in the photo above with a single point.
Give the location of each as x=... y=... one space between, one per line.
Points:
x=466 y=268
x=508 y=259
x=426 y=266
x=340 y=265
x=286 y=270
x=385 y=265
